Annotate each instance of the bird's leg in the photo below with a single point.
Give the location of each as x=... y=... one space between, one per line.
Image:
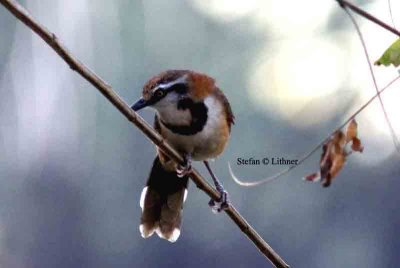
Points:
x=183 y=170
x=223 y=202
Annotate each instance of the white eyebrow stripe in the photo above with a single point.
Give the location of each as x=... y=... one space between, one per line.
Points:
x=180 y=80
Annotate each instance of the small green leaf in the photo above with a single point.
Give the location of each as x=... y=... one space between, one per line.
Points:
x=391 y=55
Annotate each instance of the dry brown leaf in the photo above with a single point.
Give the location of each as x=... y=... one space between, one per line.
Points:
x=337 y=164
x=351 y=132
x=333 y=158
x=334 y=154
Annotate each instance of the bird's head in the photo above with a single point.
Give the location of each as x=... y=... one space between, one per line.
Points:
x=168 y=88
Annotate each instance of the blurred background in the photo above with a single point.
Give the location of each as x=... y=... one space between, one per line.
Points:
x=72 y=167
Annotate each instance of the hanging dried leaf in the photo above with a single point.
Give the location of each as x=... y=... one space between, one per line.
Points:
x=334 y=154
x=338 y=161
x=333 y=158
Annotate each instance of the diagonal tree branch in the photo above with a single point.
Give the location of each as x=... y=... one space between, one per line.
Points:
x=359 y=11
x=15 y=8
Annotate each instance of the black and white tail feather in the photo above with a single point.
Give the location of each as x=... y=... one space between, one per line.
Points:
x=162 y=202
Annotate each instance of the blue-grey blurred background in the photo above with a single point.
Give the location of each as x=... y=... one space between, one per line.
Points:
x=72 y=167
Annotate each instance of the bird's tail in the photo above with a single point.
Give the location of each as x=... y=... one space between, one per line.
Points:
x=162 y=202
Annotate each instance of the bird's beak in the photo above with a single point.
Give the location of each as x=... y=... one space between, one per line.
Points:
x=140 y=104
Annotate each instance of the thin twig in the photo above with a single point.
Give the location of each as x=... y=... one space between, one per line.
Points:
x=359 y=11
x=371 y=70
x=307 y=155
x=139 y=122
x=391 y=14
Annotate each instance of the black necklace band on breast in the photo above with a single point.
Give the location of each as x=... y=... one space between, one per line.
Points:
x=199 y=114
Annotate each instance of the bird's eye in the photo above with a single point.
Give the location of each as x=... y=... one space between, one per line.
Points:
x=159 y=93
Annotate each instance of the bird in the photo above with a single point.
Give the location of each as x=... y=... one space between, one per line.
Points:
x=194 y=116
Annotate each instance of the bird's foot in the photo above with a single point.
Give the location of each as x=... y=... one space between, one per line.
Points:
x=184 y=170
x=221 y=204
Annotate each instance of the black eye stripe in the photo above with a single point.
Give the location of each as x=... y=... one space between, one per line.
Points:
x=180 y=88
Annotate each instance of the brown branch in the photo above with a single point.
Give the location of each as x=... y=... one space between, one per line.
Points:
x=50 y=38
x=359 y=11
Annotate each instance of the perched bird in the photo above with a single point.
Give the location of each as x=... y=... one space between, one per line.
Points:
x=195 y=117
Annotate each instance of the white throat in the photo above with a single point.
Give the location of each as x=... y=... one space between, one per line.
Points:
x=168 y=111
